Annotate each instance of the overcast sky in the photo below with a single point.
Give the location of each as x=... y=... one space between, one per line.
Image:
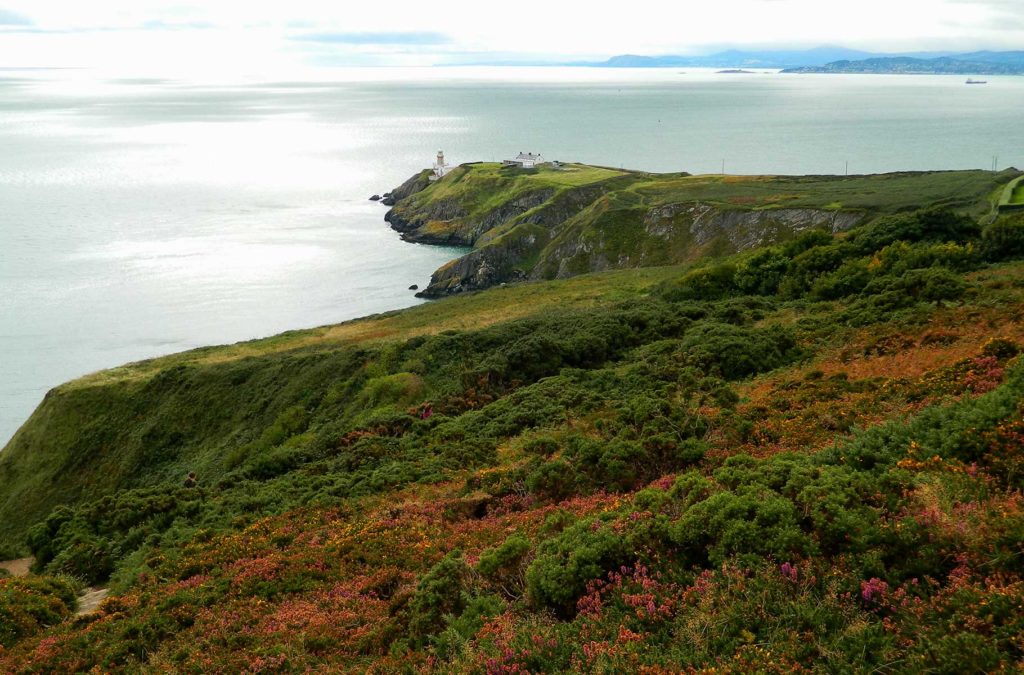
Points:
x=247 y=36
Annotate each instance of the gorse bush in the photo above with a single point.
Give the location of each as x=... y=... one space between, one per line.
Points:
x=885 y=257
x=439 y=594
x=1004 y=239
x=784 y=508
x=28 y=605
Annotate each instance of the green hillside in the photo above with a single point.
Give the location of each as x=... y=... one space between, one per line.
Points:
x=801 y=455
x=560 y=221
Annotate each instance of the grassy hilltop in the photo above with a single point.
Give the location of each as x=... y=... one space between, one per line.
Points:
x=556 y=222
x=801 y=455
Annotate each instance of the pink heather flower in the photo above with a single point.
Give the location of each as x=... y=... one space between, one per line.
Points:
x=789 y=571
x=872 y=590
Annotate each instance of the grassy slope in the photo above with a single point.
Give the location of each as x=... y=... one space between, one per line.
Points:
x=136 y=425
x=900 y=543
x=609 y=228
x=480 y=189
x=483 y=187
x=109 y=430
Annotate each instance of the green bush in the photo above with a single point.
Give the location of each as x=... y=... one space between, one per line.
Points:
x=439 y=593
x=928 y=285
x=901 y=257
x=734 y=352
x=707 y=283
x=810 y=264
x=554 y=480
x=755 y=523
x=762 y=273
x=1004 y=239
x=505 y=565
x=460 y=630
x=30 y=604
x=850 y=279
x=936 y=224
x=565 y=564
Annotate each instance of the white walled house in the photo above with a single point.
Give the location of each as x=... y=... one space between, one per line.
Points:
x=526 y=160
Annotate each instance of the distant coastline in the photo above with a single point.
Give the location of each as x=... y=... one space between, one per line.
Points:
x=827 y=59
x=987 y=63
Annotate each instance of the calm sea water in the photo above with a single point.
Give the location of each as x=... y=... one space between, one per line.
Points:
x=142 y=217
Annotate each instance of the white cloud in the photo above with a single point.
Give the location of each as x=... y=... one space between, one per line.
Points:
x=230 y=34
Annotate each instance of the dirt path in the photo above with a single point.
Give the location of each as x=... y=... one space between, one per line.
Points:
x=17 y=568
x=90 y=599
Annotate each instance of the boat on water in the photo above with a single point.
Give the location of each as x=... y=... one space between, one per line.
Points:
x=972 y=81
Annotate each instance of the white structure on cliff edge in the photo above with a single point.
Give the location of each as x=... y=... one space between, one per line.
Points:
x=440 y=167
x=526 y=160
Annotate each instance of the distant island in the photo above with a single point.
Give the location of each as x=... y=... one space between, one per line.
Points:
x=735 y=71
x=978 y=63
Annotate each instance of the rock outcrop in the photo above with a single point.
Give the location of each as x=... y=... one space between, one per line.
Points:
x=417 y=183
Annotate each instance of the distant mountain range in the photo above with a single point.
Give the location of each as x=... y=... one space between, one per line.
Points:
x=975 y=63
x=735 y=58
x=825 y=59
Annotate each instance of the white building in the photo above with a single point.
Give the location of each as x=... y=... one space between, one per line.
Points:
x=441 y=167
x=526 y=160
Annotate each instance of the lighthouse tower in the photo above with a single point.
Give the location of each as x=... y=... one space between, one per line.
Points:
x=440 y=167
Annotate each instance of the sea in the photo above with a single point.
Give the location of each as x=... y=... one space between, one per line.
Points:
x=144 y=216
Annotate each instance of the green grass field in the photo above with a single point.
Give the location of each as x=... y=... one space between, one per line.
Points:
x=1017 y=197
x=1013 y=194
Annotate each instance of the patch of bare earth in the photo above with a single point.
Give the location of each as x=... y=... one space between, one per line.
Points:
x=19 y=567
x=90 y=600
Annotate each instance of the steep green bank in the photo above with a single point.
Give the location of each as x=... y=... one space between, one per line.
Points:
x=802 y=457
x=555 y=222
x=214 y=409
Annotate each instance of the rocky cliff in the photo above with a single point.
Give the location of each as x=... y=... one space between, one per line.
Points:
x=557 y=222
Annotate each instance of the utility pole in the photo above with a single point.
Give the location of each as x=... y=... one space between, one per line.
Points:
x=847 y=168
x=723 y=167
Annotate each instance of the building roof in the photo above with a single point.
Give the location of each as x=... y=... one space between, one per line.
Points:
x=528 y=155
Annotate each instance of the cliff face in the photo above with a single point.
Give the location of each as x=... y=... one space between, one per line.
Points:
x=410 y=187
x=676 y=233
x=559 y=222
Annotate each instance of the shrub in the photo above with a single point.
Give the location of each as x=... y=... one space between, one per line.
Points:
x=438 y=594
x=1004 y=239
x=901 y=257
x=734 y=352
x=505 y=565
x=805 y=241
x=461 y=629
x=810 y=264
x=30 y=604
x=762 y=273
x=851 y=278
x=706 y=283
x=565 y=564
x=936 y=224
x=759 y=523
x=555 y=480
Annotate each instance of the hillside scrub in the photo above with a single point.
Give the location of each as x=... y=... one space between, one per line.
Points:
x=801 y=457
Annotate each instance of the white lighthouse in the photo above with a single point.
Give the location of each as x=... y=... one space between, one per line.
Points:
x=440 y=166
